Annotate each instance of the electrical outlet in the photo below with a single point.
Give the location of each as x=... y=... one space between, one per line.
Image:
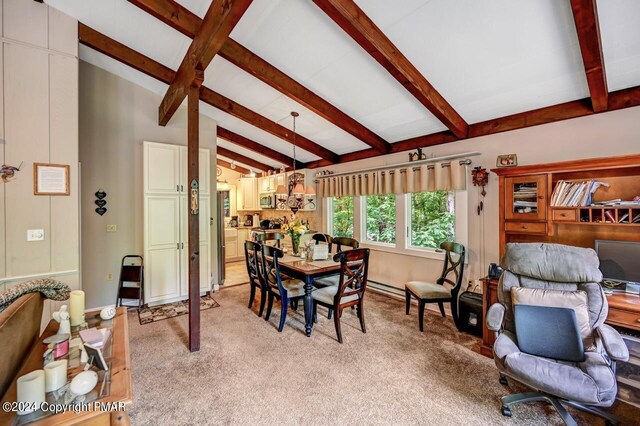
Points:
x=109 y=276
x=35 y=234
x=112 y=228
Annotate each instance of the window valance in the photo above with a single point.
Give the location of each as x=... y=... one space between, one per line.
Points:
x=446 y=176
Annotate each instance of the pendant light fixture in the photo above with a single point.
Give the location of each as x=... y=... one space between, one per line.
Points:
x=295 y=197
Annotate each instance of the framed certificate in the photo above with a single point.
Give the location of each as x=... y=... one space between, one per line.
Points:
x=50 y=179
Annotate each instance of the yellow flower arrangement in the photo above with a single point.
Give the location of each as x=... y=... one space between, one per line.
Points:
x=295 y=229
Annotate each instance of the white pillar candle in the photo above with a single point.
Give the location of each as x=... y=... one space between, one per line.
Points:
x=31 y=390
x=55 y=375
x=77 y=307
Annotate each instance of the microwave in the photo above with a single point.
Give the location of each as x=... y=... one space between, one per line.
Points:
x=267 y=200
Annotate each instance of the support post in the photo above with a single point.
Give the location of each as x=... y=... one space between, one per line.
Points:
x=193 y=208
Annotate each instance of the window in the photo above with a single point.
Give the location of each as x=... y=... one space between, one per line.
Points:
x=432 y=219
x=342 y=216
x=380 y=217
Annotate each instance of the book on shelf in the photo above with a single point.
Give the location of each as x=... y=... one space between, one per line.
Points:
x=574 y=194
x=610 y=217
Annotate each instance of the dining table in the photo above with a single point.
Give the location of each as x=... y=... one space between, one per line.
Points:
x=308 y=271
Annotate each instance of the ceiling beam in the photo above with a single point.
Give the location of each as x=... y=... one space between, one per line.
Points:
x=221 y=18
x=236 y=168
x=585 y=15
x=620 y=99
x=254 y=164
x=348 y=16
x=247 y=143
x=118 y=51
x=182 y=19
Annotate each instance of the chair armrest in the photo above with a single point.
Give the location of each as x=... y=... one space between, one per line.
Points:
x=495 y=315
x=613 y=343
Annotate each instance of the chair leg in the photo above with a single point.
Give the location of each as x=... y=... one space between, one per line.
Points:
x=263 y=299
x=441 y=306
x=407 y=297
x=361 y=316
x=252 y=295
x=421 y=314
x=283 y=313
x=610 y=418
x=330 y=313
x=336 y=321
x=315 y=312
x=269 y=306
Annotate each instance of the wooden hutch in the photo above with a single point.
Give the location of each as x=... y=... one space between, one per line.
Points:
x=526 y=215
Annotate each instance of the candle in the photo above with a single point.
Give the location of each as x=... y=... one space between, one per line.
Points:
x=77 y=307
x=31 y=391
x=55 y=375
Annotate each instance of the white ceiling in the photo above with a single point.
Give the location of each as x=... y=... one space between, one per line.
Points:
x=488 y=58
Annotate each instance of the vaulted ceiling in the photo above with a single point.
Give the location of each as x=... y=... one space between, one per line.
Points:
x=481 y=59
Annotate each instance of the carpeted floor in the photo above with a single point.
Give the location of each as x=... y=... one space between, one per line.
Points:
x=247 y=373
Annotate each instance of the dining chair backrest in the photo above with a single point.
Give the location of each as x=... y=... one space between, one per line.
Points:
x=341 y=242
x=354 y=269
x=323 y=238
x=253 y=255
x=271 y=267
x=451 y=266
x=263 y=237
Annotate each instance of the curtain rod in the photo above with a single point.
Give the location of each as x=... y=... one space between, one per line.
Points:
x=403 y=166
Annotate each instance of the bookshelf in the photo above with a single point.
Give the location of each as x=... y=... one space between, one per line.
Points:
x=527 y=194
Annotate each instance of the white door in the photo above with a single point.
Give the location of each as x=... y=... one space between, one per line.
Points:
x=162 y=238
x=162 y=168
x=203 y=167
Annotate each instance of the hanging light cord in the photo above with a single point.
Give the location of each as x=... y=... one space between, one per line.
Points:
x=294 y=145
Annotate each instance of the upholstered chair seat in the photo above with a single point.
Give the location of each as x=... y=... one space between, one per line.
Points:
x=427 y=290
x=326 y=295
x=295 y=288
x=329 y=281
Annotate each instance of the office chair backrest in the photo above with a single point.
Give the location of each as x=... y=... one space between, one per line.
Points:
x=555 y=267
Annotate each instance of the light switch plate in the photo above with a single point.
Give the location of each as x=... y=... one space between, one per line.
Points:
x=112 y=228
x=35 y=234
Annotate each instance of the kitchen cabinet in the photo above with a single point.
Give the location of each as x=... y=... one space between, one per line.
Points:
x=166 y=195
x=267 y=184
x=248 y=194
x=231 y=243
x=244 y=234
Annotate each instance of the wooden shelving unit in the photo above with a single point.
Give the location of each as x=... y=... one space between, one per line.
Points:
x=531 y=218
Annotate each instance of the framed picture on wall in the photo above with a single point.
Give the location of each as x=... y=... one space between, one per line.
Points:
x=50 y=179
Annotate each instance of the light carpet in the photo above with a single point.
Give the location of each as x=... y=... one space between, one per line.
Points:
x=247 y=373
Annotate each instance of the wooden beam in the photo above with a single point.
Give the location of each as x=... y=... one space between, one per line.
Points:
x=193 y=207
x=585 y=15
x=247 y=143
x=148 y=66
x=233 y=108
x=347 y=15
x=243 y=159
x=626 y=98
x=182 y=19
x=227 y=165
x=222 y=16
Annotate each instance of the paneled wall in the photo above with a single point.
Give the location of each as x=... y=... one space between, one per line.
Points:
x=39 y=123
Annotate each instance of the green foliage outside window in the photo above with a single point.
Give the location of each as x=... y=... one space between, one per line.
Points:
x=381 y=218
x=432 y=218
x=343 y=217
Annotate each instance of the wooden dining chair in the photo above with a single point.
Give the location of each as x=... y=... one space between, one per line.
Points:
x=253 y=259
x=427 y=292
x=341 y=242
x=354 y=267
x=269 y=236
x=285 y=290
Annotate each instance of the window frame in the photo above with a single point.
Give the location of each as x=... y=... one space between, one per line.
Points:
x=363 y=225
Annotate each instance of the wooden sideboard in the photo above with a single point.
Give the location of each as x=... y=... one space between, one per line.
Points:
x=624 y=312
x=120 y=386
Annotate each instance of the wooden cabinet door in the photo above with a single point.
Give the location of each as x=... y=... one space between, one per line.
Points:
x=162 y=171
x=526 y=198
x=249 y=198
x=203 y=170
x=205 y=253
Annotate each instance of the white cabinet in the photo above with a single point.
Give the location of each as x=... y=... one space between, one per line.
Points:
x=248 y=194
x=267 y=184
x=166 y=233
x=230 y=243
x=243 y=235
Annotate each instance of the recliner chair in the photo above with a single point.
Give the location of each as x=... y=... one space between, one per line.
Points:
x=584 y=385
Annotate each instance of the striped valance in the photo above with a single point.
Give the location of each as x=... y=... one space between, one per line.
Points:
x=447 y=176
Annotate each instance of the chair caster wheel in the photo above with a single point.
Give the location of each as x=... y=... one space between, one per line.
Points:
x=503 y=380
x=506 y=411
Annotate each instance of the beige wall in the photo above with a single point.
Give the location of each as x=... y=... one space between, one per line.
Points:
x=116 y=116
x=608 y=134
x=39 y=108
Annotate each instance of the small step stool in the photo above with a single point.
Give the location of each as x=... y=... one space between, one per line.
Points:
x=131 y=271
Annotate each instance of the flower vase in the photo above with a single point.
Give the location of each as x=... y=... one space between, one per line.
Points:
x=295 y=243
